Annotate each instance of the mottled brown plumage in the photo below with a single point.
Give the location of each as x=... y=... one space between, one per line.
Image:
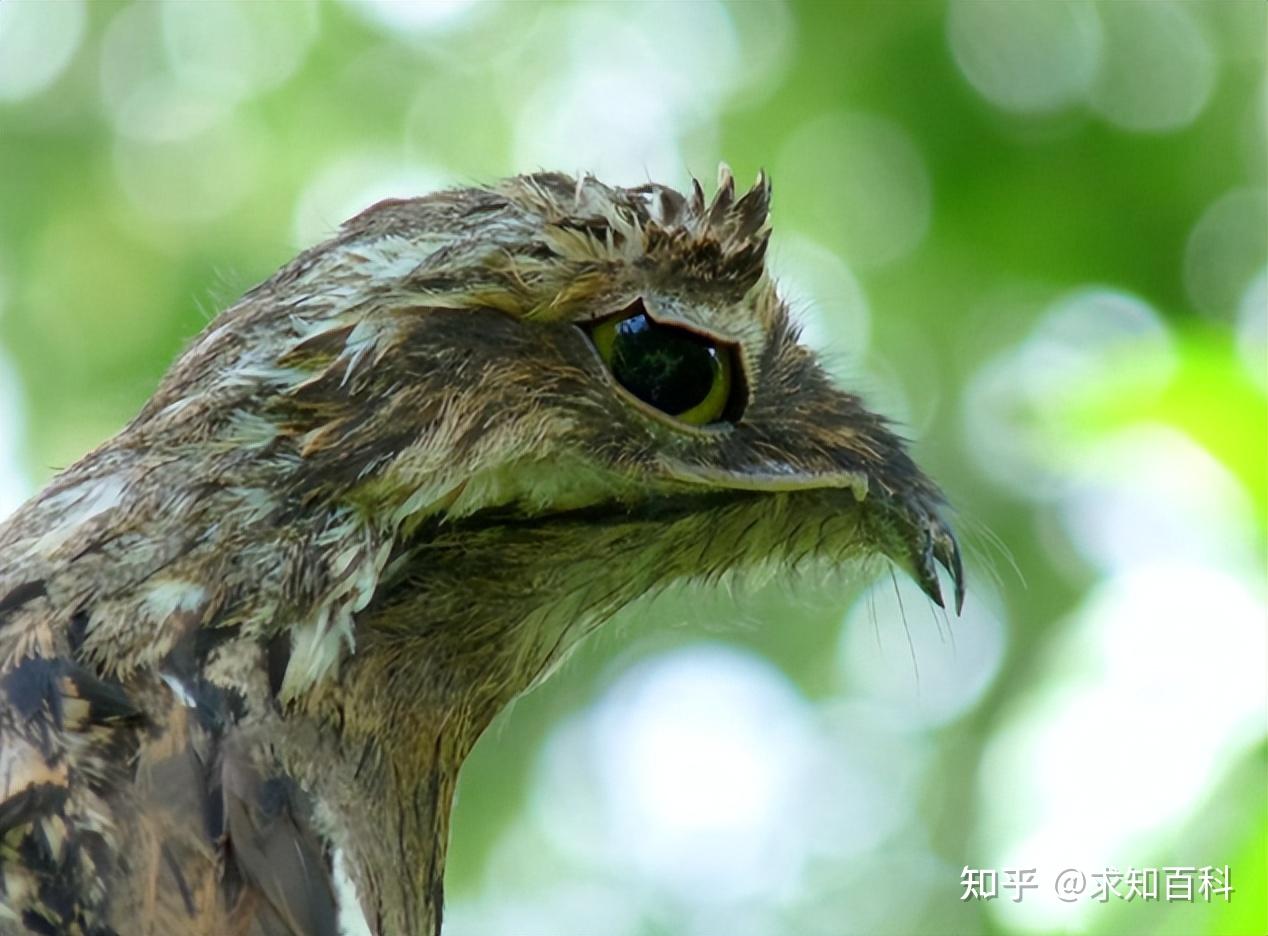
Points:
x=253 y=636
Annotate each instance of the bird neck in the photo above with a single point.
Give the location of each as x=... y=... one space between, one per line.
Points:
x=392 y=835
x=380 y=757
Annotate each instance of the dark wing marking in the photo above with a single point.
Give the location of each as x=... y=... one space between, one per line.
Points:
x=277 y=851
x=65 y=739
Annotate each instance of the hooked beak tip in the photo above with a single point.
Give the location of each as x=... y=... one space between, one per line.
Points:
x=939 y=548
x=947 y=552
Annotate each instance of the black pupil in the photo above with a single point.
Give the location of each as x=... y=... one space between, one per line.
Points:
x=670 y=368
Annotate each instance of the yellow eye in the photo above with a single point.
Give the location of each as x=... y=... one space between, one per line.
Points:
x=681 y=373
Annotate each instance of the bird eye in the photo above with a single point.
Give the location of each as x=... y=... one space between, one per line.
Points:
x=681 y=373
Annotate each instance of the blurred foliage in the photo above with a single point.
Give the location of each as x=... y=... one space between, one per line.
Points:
x=972 y=166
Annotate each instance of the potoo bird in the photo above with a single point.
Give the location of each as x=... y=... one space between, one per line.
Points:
x=246 y=644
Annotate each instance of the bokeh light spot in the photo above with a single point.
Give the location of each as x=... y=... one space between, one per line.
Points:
x=862 y=775
x=191 y=180
x=171 y=71
x=1026 y=57
x=1150 y=493
x=37 y=42
x=1226 y=251
x=1252 y=328
x=418 y=17
x=697 y=757
x=824 y=295
x=1012 y=404
x=900 y=652
x=15 y=486
x=236 y=49
x=647 y=113
x=1158 y=68
x=354 y=182
x=1162 y=687
x=860 y=183
x=140 y=96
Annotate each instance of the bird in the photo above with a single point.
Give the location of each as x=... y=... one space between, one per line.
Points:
x=247 y=643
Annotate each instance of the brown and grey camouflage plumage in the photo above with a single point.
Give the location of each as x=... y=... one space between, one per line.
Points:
x=253 y=636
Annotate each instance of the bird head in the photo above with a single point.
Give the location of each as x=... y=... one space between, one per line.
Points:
x=573 y=367
x=580 y=369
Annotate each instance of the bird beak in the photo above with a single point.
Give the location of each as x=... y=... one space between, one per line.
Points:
x=771 y=480
x=929 y=543
x=926 y=540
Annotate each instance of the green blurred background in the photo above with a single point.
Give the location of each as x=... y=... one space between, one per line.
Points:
x=1034 y=233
